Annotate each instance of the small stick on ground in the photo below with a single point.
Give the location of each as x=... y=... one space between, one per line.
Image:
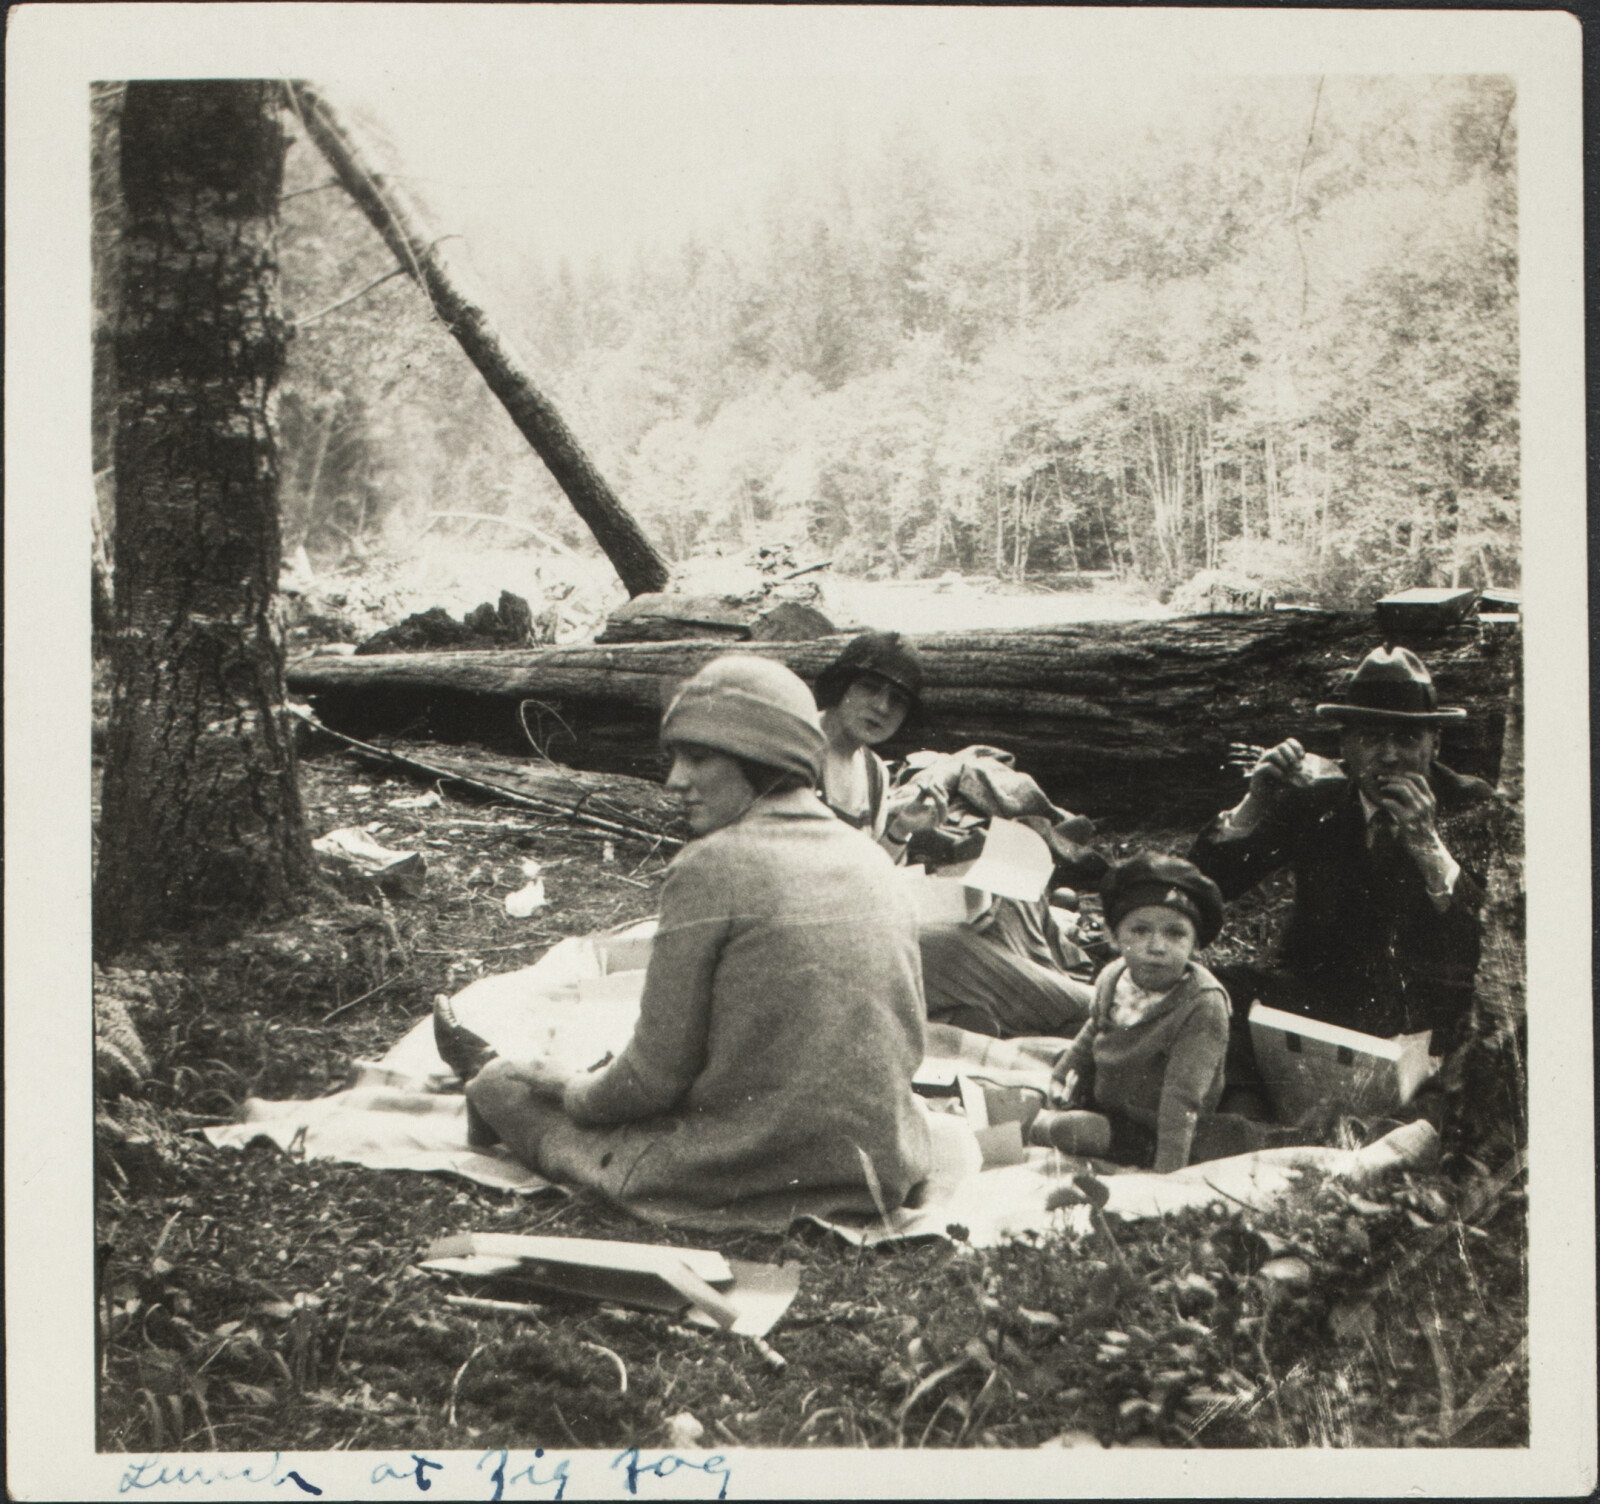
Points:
x=484 y=950
x=769 y=1355
x=1488 y=1391
x=1433 y=1331
x=455 y=1383
x=494 y=1307
x=655 y=847
x=346 y=1007
x=622 y=1368
x=618 y=877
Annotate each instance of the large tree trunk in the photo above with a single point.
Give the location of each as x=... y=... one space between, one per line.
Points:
x=105 y=242
x=1490 y=1076
x=200 y=810
x=641 y=569
x=1115 y=718
x=1502 y=973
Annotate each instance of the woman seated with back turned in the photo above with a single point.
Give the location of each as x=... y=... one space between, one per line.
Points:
x=782 y=1014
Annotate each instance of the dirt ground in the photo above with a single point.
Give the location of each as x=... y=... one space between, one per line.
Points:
x=254 y=1301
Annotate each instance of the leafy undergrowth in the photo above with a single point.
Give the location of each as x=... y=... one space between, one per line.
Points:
x=253 y=1301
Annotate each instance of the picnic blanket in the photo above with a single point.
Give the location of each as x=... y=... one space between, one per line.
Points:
x=579 y=1003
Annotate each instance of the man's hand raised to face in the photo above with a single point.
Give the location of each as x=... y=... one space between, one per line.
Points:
x=1410 y=803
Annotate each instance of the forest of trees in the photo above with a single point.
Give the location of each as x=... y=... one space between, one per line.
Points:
x=1265 y=328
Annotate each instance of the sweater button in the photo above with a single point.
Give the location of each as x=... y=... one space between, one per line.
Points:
x=605 y=1160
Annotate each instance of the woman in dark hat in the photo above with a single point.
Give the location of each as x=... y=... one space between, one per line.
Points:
x=868 y=695
x=770 y=1068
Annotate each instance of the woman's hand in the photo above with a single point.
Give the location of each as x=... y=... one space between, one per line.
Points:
x=916 y=807
x=541 y=1076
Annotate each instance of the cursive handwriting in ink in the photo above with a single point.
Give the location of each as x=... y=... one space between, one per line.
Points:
x=666 y=1465
x=152 y=1472
x=383 y=1473
x=558 y=1474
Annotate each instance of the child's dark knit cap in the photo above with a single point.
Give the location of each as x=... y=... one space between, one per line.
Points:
x=1169 y=882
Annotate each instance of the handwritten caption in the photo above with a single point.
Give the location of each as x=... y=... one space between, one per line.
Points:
x=497 y=1474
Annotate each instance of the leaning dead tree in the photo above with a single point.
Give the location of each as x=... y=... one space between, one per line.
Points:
x=200 y=807
x=1113 y=718
x=640 y=567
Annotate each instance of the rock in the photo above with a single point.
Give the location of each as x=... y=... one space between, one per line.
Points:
x=684 y=1431
x=790 y=621
x=508 y=625
x=1038 y=1324
x=1290 y=1272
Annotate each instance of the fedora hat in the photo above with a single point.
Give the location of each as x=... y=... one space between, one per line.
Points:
x=1392 y=684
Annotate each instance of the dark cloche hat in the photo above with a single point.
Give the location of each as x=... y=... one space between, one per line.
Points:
x=886 y=654
x=1392 y=684
x=1169 y=882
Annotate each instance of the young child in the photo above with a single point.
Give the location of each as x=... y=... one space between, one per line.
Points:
x=1149 y=1060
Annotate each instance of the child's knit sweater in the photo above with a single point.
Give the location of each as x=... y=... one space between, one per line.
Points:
x=1162 y=1071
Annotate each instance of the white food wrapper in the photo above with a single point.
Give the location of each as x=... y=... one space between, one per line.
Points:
x=420 y=801
x=353 y=847
x=529 y=897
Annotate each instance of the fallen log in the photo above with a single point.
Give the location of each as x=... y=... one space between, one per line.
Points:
x=1124 y=719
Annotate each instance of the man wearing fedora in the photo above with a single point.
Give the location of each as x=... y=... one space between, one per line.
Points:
x=1383 y=936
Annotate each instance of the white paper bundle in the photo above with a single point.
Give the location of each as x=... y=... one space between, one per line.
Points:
x=1015 y=863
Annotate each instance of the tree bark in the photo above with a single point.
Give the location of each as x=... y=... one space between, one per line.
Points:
x=1113 y=718
x=1501 y=985
x=640 y=567
x=102 y=599
x=201 y=811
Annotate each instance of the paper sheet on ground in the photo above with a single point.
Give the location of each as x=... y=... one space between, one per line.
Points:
x=746 y=1298
x=579 y=1003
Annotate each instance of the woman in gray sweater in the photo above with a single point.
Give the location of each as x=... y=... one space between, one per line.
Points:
x=782 y=1014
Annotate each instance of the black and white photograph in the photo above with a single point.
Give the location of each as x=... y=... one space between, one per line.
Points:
x=748 y=742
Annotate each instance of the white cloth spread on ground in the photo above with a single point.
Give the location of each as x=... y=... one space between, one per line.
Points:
x=579 y=1003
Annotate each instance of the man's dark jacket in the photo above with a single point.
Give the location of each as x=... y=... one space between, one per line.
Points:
x=1365 y=945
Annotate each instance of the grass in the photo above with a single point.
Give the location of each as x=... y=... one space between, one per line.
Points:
x=256 y=1301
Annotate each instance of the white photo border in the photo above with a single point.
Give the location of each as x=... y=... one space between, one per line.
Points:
x=56 y=50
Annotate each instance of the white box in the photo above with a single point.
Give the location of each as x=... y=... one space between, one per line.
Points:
x=1308 y=1066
